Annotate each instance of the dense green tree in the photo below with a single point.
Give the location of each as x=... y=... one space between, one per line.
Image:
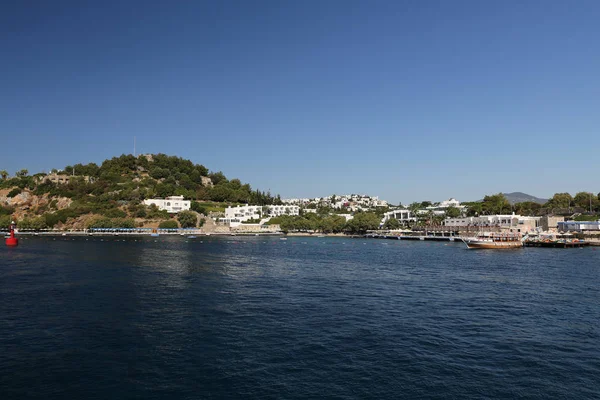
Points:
x=560 y=200
x=392 y=223
x=363 y=222
x=187 y=219
x=453 y=212
x=329 y=224
x=496 y=204
x=195 y=206
x=22 y=173
x=35 y=223
x=155 y=213
x=158 y=173
x=527 y=208
x=586 y=200
x=217 y=177
x=474 y=208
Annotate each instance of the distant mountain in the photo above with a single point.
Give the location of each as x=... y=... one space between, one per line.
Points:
x=520 y=197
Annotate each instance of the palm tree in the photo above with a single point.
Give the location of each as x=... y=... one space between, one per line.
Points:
x=4 y=174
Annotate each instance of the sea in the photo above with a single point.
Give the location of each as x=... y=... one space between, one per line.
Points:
x=304 y=318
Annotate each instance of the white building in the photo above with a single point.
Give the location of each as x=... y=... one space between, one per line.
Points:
x=402 y=215
x=578 y=226
x=522 y=223
x=172 y=204
x=440 y=209
x=239 y=214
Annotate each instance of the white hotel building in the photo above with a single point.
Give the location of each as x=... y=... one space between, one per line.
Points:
x=172 y=204
x=241 y=214
x=519 y=222
x=402 y=215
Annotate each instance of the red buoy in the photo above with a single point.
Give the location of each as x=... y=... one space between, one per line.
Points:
x=12 y=241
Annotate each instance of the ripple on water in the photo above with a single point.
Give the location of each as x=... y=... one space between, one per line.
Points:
x=302 y=318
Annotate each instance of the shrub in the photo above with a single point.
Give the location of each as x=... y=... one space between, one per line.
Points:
x=115 y=213
x=187 y=219
x=5 y=221
x=33 y=223
x=170 y=224
x=108 y=223
x=14 y=192
x=6 y=210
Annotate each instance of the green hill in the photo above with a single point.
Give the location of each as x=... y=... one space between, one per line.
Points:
x=116 y=190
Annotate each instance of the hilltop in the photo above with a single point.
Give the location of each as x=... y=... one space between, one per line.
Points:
x=520 y=197
x=113 y=192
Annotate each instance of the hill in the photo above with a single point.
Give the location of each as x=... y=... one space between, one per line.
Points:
x=520 y=197
x=115 y=190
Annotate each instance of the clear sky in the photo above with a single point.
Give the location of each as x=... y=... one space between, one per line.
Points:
x=408 y=100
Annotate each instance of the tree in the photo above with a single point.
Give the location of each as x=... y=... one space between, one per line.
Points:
x=217 y=177
x=560 y=200
x=159 y=173
x=33 y=223
x=22 y=173
x=392 y=223
x=527 y=208
x=474 y=208
x=586 y=200
x=363 y=222
x=187 y=219
x=453 y=212
x=3 y=174
x=333 y=223
x=195 y=206
x=496 y=204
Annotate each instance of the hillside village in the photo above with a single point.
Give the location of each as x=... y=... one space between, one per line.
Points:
x=166 y=192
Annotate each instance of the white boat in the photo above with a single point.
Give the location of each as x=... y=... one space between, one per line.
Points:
x=494 y=240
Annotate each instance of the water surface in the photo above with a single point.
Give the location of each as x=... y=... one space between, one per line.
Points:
x=259 y=318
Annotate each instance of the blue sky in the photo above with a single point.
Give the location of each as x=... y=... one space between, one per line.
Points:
x=408 y=100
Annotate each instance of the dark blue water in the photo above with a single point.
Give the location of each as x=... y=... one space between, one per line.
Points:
x=262 y=318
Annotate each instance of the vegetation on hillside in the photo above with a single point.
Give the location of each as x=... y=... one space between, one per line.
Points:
x=116 y=189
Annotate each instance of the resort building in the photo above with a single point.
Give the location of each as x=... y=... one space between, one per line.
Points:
x=578 y=226
x=440 y=209
x=240 y=214
x=402 y=215
x=519 y=222
x=172 y=204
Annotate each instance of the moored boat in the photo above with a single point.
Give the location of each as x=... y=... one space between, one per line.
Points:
x=554 y=240
x=493 y=240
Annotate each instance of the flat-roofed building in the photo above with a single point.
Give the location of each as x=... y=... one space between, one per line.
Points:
x=171 y=204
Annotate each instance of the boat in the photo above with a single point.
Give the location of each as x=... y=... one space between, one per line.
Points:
x=154 y=232
x=494 y=240
x=191 y=237
x=554 y=240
